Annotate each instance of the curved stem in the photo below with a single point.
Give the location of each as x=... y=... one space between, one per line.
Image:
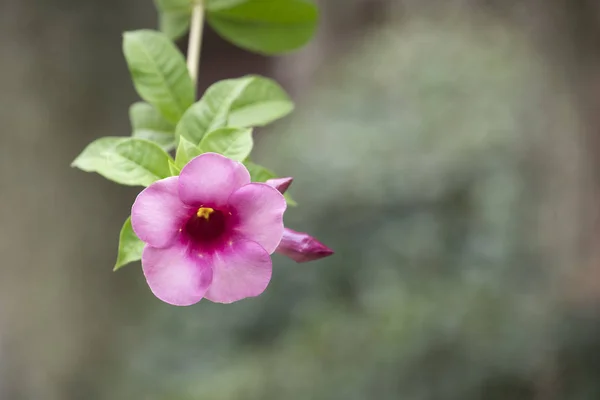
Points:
x=195 y=43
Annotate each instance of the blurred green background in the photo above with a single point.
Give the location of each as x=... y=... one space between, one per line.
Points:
x=447 y=150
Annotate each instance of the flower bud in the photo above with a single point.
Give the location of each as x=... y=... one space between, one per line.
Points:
x=281 y=184
x=301 y=247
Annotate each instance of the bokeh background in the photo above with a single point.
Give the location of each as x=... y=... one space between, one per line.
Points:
x=447 y=150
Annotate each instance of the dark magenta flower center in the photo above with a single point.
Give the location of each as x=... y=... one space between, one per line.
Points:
x=206 y=225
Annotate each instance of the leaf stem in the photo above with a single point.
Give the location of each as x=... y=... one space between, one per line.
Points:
x=195 y=42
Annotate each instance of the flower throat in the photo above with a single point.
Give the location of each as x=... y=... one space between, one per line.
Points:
x=206 y=225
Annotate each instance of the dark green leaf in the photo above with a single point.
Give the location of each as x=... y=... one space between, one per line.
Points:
x=215 y=5
x=267 y=26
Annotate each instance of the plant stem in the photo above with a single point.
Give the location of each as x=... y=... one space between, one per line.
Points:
x=195 y=43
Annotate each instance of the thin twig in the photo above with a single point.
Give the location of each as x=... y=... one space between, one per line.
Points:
x=195 y=43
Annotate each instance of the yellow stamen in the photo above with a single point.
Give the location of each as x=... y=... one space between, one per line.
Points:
x=204 y=212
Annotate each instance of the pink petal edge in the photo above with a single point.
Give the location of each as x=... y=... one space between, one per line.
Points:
x=175 y=276
x=210 y=179
x=260 y=210
x=157 y=213
x=242 y=270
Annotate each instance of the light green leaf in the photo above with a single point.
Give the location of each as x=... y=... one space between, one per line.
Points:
x=174 y=24
x=175 y=170
x=212 y=110
x=174 y=17
x=185 y=152
x=262 y=102
x=267 y=26
x=173 y=5
x=130 y=246
x=243 y=102
x=147 y=123
x=97 y=154
x=258 y=173
x=159 y=72
x=288 y=198
x=234 y=143
x=128 y=161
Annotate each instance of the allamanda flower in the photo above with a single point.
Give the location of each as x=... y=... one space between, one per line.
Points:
x=209 y=232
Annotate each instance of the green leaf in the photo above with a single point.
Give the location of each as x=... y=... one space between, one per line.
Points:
x=258 y=173
x=267 y=26
x=185 y=152
x=212 y=110
x=173 y=5
x=128 y=161
x=159 y=72
x=174 y=24
x=242 y=102
x=130 y=246
x=235 y=143
x=215 y=5
x=175 y=170
x=262 y=102
x=147 y=123
x=290 y=201
x=174 y=17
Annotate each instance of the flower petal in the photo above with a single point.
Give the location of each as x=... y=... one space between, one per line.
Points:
x=260 y=209
x=243 y=269
x=210 y=179
x=301 y=247
x=157 y=213
x=281 y=184
x=175 y=275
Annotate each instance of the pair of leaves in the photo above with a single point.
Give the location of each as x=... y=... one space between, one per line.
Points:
x=262 y=26
x=234 y=143
x=245 y=102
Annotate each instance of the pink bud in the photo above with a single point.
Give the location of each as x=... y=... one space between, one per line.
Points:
x=281 y=184
x=301 y=247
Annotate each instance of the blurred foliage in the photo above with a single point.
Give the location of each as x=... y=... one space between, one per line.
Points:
x=415 y=161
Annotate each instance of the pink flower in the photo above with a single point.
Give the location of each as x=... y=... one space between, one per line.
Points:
x=299 y=246
x=209 y=232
